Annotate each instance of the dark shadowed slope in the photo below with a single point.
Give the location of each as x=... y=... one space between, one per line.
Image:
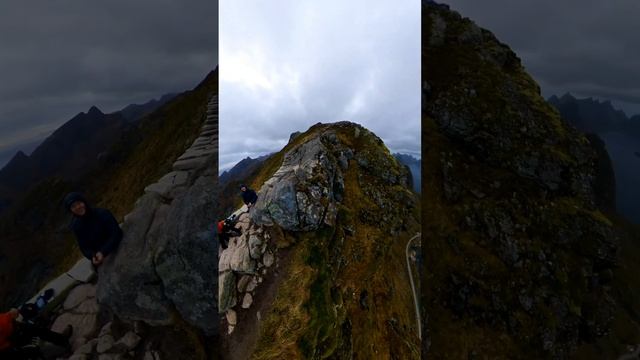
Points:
x=520 y=262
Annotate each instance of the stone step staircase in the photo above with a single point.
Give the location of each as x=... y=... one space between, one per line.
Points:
x=200 y=154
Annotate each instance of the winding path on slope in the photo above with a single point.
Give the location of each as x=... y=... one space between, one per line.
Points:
x=413 y=286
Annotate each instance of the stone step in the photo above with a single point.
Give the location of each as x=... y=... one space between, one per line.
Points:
x=205 y=139
x=209 y=132
x=191 y=164
x=201 y=146
x=189 y=154
x=168 y=183
x=82 y=271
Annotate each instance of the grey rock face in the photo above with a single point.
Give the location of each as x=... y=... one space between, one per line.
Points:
x=300 y=192
x=129 y=341
x=187 y=262
x=105 y=343
x=127 y=281
x=227 y=291
x=168 y=257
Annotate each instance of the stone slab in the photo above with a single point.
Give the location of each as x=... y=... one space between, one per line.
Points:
x=82 y=271
x=159 y=188
x=176 y=178
x=59 y=285
x=190 y=164
x=78 y=295
x=193 y=153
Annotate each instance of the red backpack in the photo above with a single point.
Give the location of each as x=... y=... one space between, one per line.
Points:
x=6 y=329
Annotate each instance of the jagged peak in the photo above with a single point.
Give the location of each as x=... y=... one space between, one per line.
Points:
x=94 y=111
x=20 y=155
x=568 y=97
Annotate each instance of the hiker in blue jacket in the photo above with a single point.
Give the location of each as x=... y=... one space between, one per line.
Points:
x=96 y=230
x=249 y=197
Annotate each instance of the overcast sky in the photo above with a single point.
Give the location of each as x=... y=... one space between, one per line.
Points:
x=286 y=65
x=58 y=58
x=590 y=48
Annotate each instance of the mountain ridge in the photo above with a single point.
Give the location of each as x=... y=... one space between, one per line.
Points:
x=71 y=149
x=333 y=215
x=520 y=260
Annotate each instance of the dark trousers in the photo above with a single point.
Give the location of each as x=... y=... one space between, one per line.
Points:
x=226 y=234
x=25 y=353
x=25 y=332
x=224 y=240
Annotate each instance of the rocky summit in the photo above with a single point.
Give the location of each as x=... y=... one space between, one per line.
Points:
x=319 y=270
x=520 y=260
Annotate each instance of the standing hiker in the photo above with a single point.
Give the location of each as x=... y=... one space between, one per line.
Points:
x=96 y=230
x=248 y=196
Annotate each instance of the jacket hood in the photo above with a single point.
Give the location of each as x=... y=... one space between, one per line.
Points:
x=73 y=197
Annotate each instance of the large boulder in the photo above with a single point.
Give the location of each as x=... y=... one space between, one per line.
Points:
x=227 y=291
x=187 y=263
x=128 y=282
x=302 y=193
x=167 y=260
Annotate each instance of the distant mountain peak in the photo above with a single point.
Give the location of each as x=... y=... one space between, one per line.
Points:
x=20 y=154
x=17 y=161
x=567 y=97
x=95 y=111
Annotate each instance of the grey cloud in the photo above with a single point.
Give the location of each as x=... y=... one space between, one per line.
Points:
x=61 y=57
x=588 y=48
x=285 y=66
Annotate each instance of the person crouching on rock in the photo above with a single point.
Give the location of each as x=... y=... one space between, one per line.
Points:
x=248 y=196
x=226 y=230
x=96 y=230
x=16 y=337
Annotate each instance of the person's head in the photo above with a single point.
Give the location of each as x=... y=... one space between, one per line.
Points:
x=243 y=187
x=76 y=204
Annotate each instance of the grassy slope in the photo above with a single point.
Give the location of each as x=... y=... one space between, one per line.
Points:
x=167 y=133
x=316 y=313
